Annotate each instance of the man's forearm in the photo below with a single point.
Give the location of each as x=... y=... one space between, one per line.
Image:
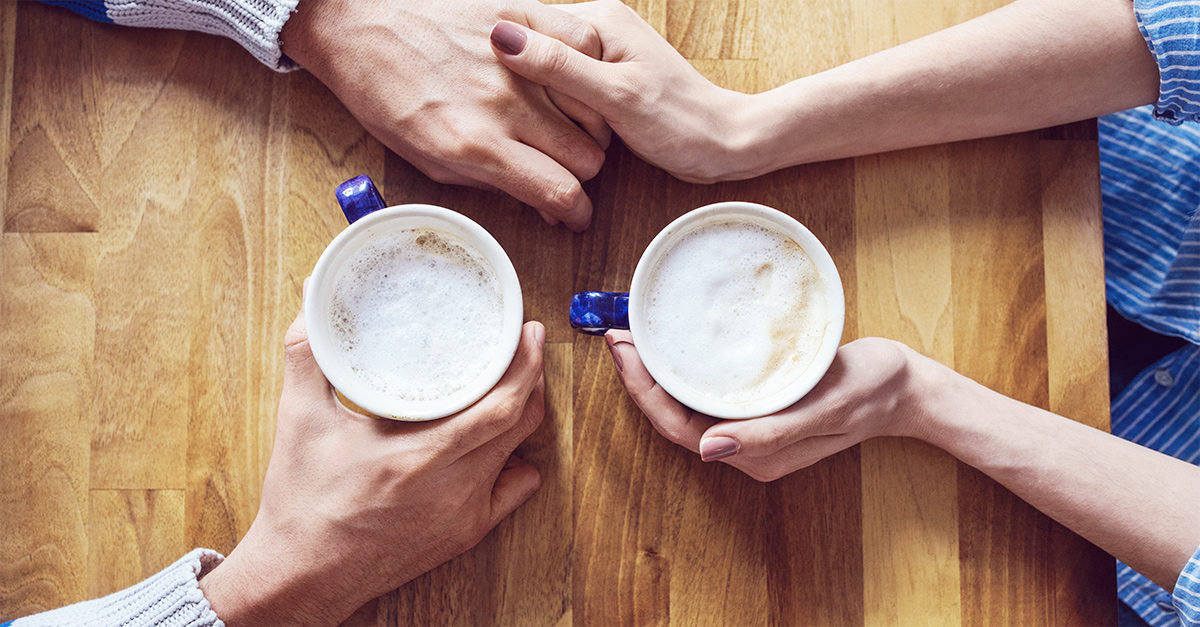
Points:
x=1032 y=64
x=1139 y=505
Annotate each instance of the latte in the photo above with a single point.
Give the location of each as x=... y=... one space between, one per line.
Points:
x=735 y=310
x=417 y=314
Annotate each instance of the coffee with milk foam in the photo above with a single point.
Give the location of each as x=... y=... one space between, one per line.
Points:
x=735 y=310
x=417 y=314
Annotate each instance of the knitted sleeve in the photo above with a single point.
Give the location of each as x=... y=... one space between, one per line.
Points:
x=255 y=24
x=170 y=598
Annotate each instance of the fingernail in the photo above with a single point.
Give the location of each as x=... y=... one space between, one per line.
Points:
x=508 y=38
x=539 y=335
x=718 y=447
x=612 y=348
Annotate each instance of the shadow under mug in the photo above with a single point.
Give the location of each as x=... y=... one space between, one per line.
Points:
x=597 y=312
x=369 y=217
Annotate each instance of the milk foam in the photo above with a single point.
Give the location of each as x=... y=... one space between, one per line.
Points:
x=736 y=311
x=417 y=314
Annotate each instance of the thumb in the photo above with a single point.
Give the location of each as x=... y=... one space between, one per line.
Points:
x=516 y=483
x=755 y=437
x=550 y=62
x=300 y=367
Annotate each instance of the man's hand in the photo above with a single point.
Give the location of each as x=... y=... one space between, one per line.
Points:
x=420 y=75
x=868 y=391
x=354 y=506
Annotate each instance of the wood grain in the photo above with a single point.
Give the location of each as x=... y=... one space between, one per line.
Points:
x=910 y=508
x=1078 y=386
x=47 y=337
x=132 y=535
x=159 y=217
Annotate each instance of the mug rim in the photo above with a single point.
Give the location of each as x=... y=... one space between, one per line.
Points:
x=323 y=346
x=834 y=296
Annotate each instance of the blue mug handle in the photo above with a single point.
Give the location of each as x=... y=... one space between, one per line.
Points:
x=359 y=197
x=591 y=312
x=595 y=313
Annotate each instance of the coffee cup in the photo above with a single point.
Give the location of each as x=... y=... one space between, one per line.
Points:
x=736 y=310
x=414 y=312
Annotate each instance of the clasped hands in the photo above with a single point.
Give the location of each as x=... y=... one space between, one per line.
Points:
x=422 y=77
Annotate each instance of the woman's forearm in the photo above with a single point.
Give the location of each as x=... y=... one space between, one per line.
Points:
x=1028 y=65
x=1139 y=505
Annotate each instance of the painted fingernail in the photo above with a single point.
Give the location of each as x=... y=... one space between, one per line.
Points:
x=539 y=334
x=508 y=38
x=718 y=447
x=612 y=348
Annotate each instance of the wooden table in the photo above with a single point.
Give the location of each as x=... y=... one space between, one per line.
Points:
x=166 y=196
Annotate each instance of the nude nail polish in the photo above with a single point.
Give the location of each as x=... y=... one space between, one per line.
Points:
x=508 y=38
x=718 y=447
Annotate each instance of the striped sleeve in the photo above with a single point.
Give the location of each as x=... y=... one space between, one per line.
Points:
x=254 y=24
x=1172 y=31
x=1187 y=592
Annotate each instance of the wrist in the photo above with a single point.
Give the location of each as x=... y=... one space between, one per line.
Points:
x=930 y=391
x=750 y=137
x=259 y=585
x=300 y=38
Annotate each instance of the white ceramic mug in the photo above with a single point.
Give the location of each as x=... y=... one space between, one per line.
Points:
x=369 y=218
x=596 y=312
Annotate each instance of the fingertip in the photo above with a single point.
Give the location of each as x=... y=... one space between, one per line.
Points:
x=581 y=216
x=539 y=333
x=604 y=137
x=533 y=337
x=618 y=361
x=624 y=353
x=517 y=482
x=620 y=335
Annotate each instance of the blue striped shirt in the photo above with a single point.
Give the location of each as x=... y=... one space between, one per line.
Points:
x=1151 y=191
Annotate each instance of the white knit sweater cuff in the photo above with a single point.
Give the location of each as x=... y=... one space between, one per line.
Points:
x=170 y=598
x=255 y=24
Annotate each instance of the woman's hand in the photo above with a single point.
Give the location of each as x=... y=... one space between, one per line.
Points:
x=871 y=389
x=663 y=109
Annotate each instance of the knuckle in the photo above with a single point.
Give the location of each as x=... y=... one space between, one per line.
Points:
x=564 y=196
x=469 y=145
x=296 y=351
x=625 y=95
x=506 y=412
x=555 y=59
x=445 y=177
x=581 y=37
